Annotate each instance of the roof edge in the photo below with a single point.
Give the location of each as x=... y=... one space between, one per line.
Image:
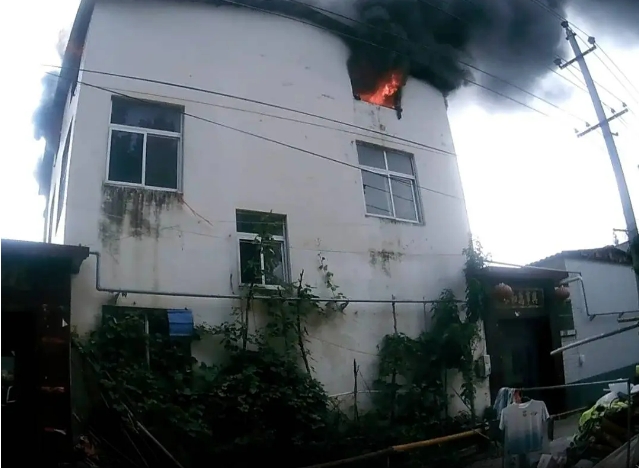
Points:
x=74 y=254
x=607 y=254
x=68 y=75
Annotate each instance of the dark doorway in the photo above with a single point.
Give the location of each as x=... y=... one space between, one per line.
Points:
x=526 y=344
x=18 y=379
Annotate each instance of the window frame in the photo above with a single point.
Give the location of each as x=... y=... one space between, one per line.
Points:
x=146 y=131
x=144 y=312
x=255 y=239
x=390 y=175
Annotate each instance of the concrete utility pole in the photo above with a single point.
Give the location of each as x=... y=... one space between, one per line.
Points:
x=604 y=124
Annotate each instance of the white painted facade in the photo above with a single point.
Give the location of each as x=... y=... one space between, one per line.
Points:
x=189 y=244
x=609 y=288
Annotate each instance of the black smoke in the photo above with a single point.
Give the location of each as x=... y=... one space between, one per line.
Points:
x=616 y=20
x=447 y=43
x=42 y=117
x=452 y=43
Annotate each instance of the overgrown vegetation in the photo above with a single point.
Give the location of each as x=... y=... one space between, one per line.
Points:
x=262 y=400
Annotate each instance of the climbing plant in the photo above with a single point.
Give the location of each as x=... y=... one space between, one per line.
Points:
x=413 y=372
x=261 y=400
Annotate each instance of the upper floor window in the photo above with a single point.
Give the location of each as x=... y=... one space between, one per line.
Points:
x=388 y=177
x=262 y=248
x=145 y=143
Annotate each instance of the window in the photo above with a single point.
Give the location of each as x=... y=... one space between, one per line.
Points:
x=62 y=189
x=144 y=143
x=262 y=248
x=388 y=177
x=147 y=337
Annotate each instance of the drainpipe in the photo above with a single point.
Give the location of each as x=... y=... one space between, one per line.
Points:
x=99 y=287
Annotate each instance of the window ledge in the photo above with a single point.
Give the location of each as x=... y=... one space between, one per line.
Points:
x=149 y=188
x=394 y=220
x=263 y=287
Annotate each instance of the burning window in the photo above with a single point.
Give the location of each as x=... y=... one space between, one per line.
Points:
x=381 y=89
x=386 y=93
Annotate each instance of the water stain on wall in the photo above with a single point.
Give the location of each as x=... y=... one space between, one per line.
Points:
x=383 y=258
x=132 y=212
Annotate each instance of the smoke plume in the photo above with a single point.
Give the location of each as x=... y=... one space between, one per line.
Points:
x=449 y=43
x=616 y=20
x=43 y=113
x=446 y=43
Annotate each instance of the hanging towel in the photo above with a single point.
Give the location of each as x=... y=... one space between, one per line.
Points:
x=503 y=399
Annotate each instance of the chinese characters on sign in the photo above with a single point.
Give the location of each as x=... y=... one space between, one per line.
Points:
x=523 y=298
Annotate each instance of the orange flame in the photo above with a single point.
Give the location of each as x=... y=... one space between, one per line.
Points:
x=387 y=87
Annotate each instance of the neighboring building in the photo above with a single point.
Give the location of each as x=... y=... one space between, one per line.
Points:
x=608 y=291
x=36 y=338
x=521 y=331
x=167 y=199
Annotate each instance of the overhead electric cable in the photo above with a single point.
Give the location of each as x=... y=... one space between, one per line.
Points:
x=255 y=101
x=245 y=132
x=425 y=47
x=574 y=26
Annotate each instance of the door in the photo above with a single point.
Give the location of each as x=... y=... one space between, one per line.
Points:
x=520 y=353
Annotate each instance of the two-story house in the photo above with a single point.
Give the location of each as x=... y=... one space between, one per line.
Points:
x=178 y=124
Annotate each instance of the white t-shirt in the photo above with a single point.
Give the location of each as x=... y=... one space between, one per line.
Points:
x=524 y=427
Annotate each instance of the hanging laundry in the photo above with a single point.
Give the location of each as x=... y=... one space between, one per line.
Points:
x=524 y=426
x=503 y=399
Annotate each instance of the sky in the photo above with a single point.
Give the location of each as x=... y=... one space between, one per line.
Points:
x=532 y=187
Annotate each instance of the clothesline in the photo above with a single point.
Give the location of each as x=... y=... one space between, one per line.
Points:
x=576 y=384
x=525 y=423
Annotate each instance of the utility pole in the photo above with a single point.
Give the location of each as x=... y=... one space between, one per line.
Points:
x=604 y=124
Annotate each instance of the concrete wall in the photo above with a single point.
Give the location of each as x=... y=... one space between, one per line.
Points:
x=609 y=288
x=162 y=241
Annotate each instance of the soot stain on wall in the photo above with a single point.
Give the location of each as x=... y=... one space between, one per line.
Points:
x=132 y=212
x=383 y=258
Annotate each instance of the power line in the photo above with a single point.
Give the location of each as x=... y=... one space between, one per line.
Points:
x=575 y=75
x=255 y=101
x=562 y=18
x=245 y=132
x=461 y=62
x=326 y=118
x=570 y=68
x=309 y=114
x=619 y=70
x=350 y=36
x=613 y=75
x=274 y=116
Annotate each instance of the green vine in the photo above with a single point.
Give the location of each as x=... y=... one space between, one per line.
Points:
x=422 y=364
x=261 y=400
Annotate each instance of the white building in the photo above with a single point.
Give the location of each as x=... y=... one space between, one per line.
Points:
x=158 y=189
x=606 y=292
